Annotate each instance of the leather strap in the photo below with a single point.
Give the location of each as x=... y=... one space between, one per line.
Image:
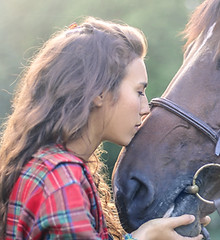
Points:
x=190 y=118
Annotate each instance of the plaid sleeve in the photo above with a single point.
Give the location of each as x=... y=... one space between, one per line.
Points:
x=62 y=206
x=66 y=212
x=55 y=198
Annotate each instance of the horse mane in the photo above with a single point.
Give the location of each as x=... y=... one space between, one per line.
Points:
x=204 y=16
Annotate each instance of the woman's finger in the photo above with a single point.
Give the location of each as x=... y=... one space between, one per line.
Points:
x=181 y=220
x=205 y=221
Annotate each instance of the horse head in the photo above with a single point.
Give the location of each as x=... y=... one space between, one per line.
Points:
x=152 y=173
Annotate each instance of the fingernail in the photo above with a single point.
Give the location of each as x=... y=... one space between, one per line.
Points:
x=192 y=218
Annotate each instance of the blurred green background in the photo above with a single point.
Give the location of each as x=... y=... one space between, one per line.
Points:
x=26 y=24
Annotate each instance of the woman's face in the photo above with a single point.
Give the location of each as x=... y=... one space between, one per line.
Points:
x=123 y=118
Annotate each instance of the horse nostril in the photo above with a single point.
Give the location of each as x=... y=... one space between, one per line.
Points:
x=133 y=196
x=142 y=193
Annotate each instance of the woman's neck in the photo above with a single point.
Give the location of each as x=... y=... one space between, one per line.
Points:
x=83 y=147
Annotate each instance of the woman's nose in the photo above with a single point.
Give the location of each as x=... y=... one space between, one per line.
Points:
x=145 y=109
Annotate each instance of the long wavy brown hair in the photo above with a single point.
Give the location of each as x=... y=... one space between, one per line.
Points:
x=55 y=97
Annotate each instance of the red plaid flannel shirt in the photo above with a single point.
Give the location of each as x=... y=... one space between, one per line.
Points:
x=55 y=198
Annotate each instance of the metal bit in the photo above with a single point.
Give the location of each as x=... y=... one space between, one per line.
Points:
x=192 y=189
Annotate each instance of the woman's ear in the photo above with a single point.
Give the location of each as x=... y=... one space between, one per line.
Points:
x=98 y=100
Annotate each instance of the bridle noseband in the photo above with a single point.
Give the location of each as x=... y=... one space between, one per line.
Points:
x=190 y=118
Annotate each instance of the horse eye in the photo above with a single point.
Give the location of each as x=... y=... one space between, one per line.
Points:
x=218 y=64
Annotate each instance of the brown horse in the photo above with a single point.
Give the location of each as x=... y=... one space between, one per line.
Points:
x=153 y=172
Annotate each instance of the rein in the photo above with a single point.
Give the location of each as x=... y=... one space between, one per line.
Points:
x=193 y=120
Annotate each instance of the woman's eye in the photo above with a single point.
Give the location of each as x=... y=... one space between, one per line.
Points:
x=140 y=93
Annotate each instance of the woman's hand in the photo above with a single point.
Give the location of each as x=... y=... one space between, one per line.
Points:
x=163 y=228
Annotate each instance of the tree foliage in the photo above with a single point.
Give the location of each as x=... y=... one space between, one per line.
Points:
x=26 y=24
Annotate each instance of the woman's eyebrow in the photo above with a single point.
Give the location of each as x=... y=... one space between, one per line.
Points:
x=144 y=84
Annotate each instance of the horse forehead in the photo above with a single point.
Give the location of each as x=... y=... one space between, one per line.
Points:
x=200 y=58
x=207 y=41
x=199 y=45
x=208 y=35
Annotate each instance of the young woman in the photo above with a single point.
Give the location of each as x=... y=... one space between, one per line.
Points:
x=86 y=85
